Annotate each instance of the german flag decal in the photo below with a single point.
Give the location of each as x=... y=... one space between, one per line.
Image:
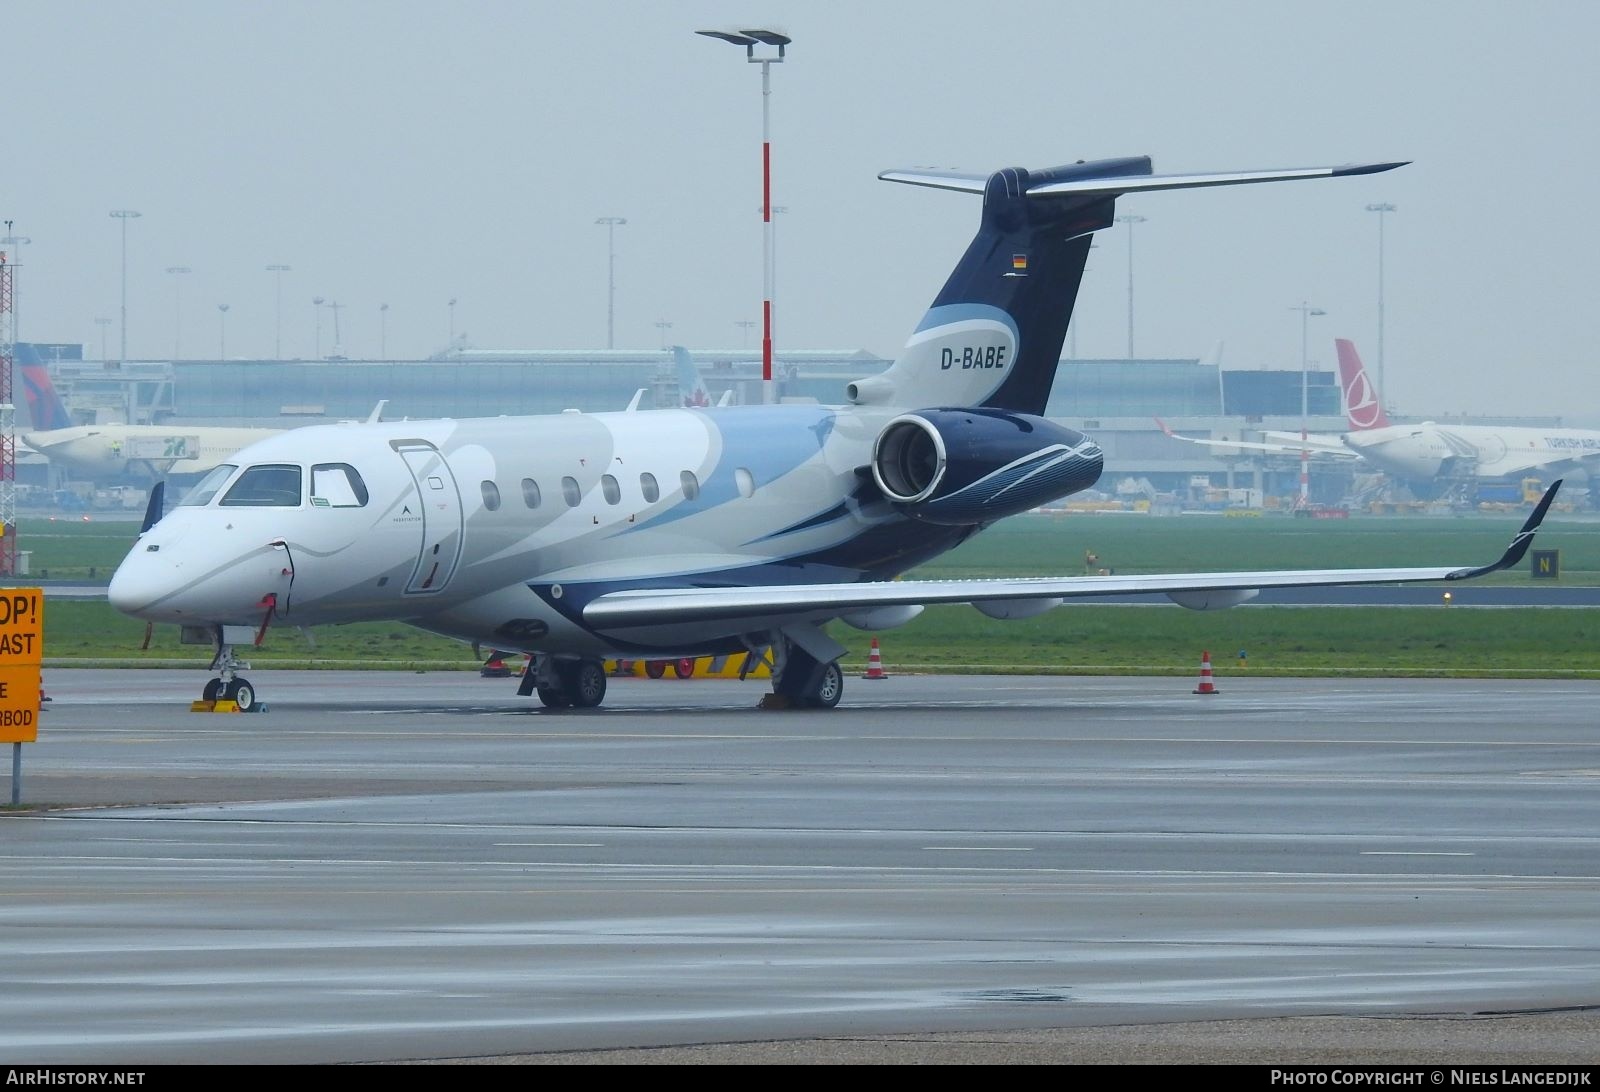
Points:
x=1019 y=263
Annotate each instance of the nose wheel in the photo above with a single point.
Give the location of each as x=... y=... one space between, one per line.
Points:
x=229 y=685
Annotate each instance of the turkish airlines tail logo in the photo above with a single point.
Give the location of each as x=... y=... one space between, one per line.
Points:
x=1362 y=407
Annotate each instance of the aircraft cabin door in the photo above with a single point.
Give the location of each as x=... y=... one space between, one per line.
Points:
x=440 y=504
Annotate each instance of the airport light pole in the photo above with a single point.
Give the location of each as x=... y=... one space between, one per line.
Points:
x=663 y=326
x=1306 y=312
x=277 y=272
x=744 y=332
x=611 y=223
x=1130 y=220
x=316 y=302
x=124 y=215
x=1380 y=208
x=222 y=331
x=13 y=246
x=179 y=272
x=103 y=322
x=750 y=39
x=451 y=344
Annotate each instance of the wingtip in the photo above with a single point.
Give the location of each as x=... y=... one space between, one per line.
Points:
x=1370 y=168
x=1523 y=539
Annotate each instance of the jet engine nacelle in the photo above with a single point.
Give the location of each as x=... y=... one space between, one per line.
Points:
x=967 y=466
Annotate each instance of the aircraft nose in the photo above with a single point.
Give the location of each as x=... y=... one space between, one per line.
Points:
x=134 y=586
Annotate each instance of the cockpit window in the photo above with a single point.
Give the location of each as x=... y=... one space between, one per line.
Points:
x=337 y=485
x=272 y=485
x=207 y=487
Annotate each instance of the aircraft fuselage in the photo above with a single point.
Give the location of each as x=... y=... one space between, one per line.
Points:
x=499 y=530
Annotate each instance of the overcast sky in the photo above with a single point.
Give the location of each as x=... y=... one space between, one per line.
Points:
x=410 y=153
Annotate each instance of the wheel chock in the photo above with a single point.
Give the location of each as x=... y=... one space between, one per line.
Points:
x=219 y=706
x=774 y=701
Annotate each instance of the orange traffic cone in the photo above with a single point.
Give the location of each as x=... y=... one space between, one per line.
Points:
x=875 y=663
x=1206 y=686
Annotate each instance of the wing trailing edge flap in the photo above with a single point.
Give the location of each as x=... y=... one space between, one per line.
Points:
x=1202 y=590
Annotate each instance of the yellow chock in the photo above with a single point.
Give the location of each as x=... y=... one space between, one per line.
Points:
x=220 y=706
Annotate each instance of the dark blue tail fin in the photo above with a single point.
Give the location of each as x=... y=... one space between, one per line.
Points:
x=994 y=333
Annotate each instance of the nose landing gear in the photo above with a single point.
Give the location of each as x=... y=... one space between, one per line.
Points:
x=229 y=685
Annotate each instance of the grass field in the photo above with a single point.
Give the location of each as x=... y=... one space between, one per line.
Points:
x=1078 y=638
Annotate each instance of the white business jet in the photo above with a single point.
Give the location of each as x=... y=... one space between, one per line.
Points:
x=697 y=531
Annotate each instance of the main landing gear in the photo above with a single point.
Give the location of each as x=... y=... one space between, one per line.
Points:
x=229 y=685
x=561 y=684
x=805 y=677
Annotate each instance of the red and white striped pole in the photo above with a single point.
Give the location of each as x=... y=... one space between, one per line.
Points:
x=766 y=232
x=750 y=39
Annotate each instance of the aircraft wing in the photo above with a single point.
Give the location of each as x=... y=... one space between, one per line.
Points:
x=1316 y=444
x=1197 y=590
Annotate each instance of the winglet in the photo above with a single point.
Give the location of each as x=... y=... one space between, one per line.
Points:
x=376 y=415
x=1520 y=543
x=1164 y=427
x=638 y=396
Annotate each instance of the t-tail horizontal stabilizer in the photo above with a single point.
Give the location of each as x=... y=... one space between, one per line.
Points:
x=1044 y=184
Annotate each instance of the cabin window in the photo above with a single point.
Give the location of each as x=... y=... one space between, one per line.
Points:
x=745 y=482
x=271 y=485
x=530 y=493
x=337 y=485
x=207 y=487
x=648 y=486
x=691 y=485
x=570 y=490
x=609 y=486
x=491 y=495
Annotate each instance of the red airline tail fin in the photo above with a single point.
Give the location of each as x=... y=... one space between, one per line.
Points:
x=1362 y=407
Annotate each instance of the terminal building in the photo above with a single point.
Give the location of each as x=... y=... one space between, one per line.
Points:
x=1117 y=402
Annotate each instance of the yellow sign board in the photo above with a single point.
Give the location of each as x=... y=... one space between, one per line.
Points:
x=21 y=652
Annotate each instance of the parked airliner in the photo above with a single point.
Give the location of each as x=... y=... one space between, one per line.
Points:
x=1430 y=457
x=117 y=452
x=693 y=531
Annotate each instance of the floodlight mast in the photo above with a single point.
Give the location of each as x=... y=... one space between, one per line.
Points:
x=750 y=39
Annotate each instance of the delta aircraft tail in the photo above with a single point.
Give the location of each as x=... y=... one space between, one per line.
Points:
x=993 y=336
x=1362 y=405
x=46 y=412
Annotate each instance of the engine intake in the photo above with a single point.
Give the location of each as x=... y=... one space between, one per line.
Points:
x=968 y=466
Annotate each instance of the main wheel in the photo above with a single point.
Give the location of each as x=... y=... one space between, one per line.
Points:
x=683 y=668
x=241 y=693
x=655 y=668
x=829 y=688
x=585 y=682
x=553 y=697
x=212 y=690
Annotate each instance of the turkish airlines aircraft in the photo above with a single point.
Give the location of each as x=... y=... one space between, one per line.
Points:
x=692 y=531
x=1434 y=454
x=1430 y=457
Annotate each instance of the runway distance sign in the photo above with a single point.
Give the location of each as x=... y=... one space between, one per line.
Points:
x=21 y=652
